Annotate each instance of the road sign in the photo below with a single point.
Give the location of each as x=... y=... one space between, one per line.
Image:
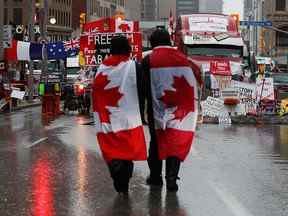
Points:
x=7 y=36
x=264 y=23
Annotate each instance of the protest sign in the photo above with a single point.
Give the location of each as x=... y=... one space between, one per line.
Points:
x=18 y=94
x=212 y=107
x=265 y=89
x=247 y=95
x=95 y=47
x=95 y=43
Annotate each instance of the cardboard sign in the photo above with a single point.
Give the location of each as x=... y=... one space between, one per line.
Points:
x=212 y=107
x=96 y=47
x=224 y=119
x=265 y=89
x=18 y=94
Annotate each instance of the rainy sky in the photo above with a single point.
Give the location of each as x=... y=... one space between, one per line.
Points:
x=232 y=6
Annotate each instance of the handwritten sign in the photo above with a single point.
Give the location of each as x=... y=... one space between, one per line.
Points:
x=265 y=89
x=247 y=95
x=18 y=94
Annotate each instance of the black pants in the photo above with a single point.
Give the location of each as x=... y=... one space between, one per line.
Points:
x=155 y=165
x=121 y=172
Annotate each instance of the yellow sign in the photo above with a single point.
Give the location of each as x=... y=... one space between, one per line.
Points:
x=284 y=107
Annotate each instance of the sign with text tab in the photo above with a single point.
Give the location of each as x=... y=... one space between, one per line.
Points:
x=95 y=42
x=264 y=23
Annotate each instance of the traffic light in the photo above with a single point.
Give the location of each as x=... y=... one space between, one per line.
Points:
x=82 y=19
x=236 y=18
x=39 y=3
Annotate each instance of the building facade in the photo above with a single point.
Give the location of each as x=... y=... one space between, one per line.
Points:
x=18 y=14
x=149 y=10
x=165 y=6
x=133 y=9
x=103 y=8
x=211 y=6
x=276 y=39
x=78 y=7
x=187 y=7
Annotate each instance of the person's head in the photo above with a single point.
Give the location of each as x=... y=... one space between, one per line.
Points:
x=120 y=46
x=160 y=37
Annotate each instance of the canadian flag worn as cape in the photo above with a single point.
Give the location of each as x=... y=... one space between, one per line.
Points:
x=174 y=94
x=117 y=116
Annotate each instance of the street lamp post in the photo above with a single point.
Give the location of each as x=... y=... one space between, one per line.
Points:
x=31 y=36
x=43 y=30
x=1 y=28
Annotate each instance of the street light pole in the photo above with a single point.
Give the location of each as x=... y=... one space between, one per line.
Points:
x=1 y=29
x=43 y=30
x=31 y=37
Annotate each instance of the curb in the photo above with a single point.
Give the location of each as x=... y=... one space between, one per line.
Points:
x=26 y=106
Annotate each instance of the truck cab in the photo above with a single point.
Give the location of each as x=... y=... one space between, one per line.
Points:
x=207 y=38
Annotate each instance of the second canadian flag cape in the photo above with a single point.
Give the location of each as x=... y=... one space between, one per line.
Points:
x=116 y=110
x=174 y=94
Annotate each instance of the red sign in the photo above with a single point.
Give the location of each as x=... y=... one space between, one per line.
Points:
x=220 y=68
x=111 y=25
x=95 y=43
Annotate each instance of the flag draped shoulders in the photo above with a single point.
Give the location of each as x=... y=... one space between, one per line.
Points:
x=117 y=115
x=174 y=94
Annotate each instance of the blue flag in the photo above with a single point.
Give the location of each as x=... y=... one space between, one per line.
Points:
x=56 y=51
x=36 y=51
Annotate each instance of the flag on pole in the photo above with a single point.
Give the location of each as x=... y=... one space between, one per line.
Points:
x=56 y=51
x=72 y=47
x=171 y=25
x=24 y=51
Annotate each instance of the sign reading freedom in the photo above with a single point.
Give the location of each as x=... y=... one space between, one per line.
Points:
x=95 y=43
x=97 y=46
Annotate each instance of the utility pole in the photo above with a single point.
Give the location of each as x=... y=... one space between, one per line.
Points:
x=31 y=37
x=88 y=8
x=43 y=30
x=1 y=29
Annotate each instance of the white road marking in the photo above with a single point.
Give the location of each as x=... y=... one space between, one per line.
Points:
x=37 y=142
x=235 y=206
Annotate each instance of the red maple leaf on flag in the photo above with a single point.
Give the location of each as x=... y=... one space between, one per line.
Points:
x=102 y=97
x=182 y=98
x=124 y=27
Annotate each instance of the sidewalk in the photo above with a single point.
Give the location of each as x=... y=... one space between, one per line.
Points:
x=25 y=104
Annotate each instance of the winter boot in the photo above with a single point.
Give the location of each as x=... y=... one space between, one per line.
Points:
x=121 y=172
x=155 y=177
x=172 y=170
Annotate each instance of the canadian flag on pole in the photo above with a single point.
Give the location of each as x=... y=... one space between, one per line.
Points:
x=116 y=111
x=174 y=93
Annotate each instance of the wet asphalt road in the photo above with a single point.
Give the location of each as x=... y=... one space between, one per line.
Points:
x=51 y=169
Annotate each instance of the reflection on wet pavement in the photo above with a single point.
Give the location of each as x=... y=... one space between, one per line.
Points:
x=53 y=168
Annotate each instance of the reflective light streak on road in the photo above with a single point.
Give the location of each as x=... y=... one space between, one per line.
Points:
x=42 y=188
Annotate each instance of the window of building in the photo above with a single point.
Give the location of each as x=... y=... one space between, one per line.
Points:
x=17 y=16
x=281 y=38
x=280 y=5
x=6 y=16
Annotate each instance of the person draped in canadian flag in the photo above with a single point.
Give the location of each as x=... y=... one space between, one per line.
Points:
x=172 y=108
x=118 y=101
